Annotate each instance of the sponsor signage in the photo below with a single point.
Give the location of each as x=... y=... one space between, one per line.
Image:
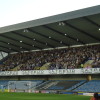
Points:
x=51 y=72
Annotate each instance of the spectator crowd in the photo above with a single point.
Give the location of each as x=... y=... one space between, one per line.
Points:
x=67 y=58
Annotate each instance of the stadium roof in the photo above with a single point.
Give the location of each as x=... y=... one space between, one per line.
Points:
x=73 y=28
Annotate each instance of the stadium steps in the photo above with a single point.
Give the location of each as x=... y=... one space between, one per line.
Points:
x=46 y=85
x=88 y=63
x=17 y=67
x=50 y=84
x=36 y=68
x=41 y=85
x=79 y=85
x=45 y=66
x=90 y=86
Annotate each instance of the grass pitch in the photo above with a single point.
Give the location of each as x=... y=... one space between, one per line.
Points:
x=40 y=96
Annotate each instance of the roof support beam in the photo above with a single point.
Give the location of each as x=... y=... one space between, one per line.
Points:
x=26 y=38
x=13 y=45
x=31 y=30
x=83 y=32
x=16 y=41
x=64 y=34
x=7 y=48
x=10 y=44
x=91 y=21
x=4 y=50
x=32 y=39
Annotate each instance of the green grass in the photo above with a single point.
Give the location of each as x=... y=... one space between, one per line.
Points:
x=32 y=96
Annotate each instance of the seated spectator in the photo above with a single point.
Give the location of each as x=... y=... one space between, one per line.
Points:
x=68 y=58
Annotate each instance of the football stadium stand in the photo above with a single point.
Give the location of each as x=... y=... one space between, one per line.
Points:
x=69 y=58
x=91 y=86
x=61 y=84
x=57 y=54
x=56 y=85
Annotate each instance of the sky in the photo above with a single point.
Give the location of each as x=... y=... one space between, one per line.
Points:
x=18 y=11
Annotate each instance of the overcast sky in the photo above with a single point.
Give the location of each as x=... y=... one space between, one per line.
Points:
x=17 y=11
